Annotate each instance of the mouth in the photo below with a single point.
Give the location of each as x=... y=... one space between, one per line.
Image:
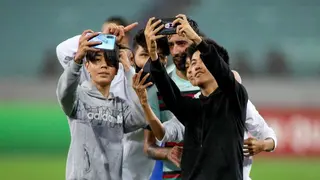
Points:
x=103 y=73
x=176 y=60
x=179 y=57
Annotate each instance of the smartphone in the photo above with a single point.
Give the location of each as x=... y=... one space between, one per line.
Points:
x=108 y=41
x=146 y=70
x=168 y=28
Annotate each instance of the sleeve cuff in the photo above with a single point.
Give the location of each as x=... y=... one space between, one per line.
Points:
x=160 y=142
x=275 y=143
x=203 y=47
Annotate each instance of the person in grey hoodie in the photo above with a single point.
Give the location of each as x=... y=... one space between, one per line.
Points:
x=97 y=118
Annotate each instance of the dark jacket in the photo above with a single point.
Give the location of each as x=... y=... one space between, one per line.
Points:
x=214 y=125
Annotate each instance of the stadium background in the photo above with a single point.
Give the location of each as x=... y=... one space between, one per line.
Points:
x=273 y=44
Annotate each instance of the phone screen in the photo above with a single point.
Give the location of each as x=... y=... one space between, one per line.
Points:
x=168 y=28
x=108 y=41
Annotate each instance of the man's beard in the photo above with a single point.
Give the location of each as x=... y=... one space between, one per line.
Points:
x=179 y=61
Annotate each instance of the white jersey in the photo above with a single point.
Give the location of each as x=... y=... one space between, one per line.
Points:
x=255 y=124
x=136 y=166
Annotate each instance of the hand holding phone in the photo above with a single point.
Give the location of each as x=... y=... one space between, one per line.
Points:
x=169 y=28
x=184 y=29
x=108 y=41
x=84 y=45
x=150 y=33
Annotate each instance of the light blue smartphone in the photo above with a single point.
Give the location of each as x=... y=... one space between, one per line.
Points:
x=108 y=41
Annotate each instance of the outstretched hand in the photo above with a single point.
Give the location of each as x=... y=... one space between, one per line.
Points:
x=118 y=31
x=151 y=37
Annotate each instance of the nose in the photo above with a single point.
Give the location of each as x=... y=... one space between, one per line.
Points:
x=103 y=64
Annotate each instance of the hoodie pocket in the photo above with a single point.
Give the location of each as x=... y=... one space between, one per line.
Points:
x=86 y=159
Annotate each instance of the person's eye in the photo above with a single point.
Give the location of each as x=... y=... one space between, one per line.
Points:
x=181 y=43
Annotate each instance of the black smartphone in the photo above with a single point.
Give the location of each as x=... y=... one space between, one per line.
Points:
x=168 y=28
x=146 y=70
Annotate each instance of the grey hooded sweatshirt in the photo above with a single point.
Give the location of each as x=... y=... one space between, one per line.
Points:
x=97 y=126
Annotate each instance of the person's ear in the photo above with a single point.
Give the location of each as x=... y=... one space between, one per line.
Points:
x=132 y=61
x=87 y=66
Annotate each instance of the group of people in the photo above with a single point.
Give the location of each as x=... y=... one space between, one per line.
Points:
x=132 y=117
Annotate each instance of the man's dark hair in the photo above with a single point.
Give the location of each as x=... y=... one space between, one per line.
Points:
x=140 y=40
x=117 y=20
x=111 y=57
x=223 y=53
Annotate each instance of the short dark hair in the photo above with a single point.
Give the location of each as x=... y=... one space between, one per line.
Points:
x=140 y=40
x=111 y=57
x=119 y=20
x=223 y=53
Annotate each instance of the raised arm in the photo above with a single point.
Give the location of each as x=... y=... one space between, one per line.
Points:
x=155 y=129
x=210 y=57
x=171 y=94
x=176 y=103
x=134 y=114
x=69 y=80
x=141 y=98
x=66 y=50
x=67 y=87
x=218 y=67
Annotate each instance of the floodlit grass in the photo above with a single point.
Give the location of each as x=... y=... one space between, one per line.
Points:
x=39 y=167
